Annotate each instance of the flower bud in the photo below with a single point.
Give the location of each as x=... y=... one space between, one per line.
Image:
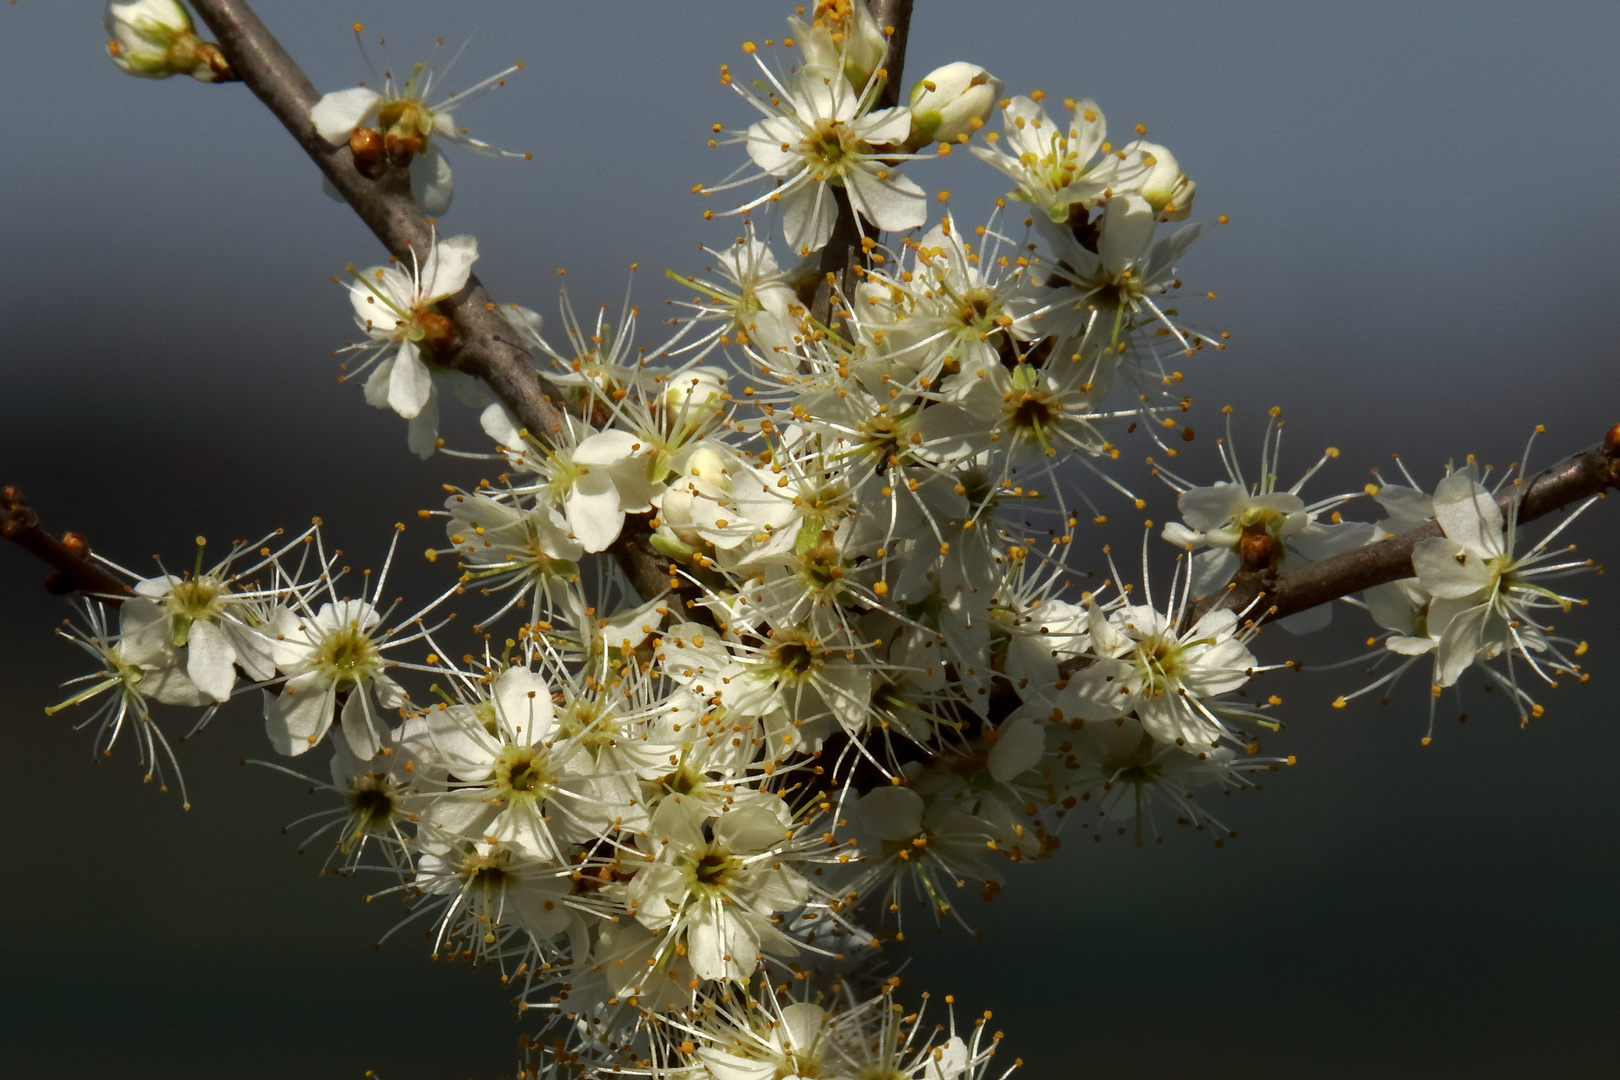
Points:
x=691 y=400
x=366 y=144
x=1164 y=185
x=843 y=35
x=155 y=39
x=1258 y=549
x=947 y=101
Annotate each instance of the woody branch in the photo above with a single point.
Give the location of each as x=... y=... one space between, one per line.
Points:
x=1580 y=476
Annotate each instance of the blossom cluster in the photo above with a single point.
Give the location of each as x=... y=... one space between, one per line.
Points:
x=685 y=824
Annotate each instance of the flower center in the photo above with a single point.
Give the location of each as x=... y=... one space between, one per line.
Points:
x=370 y=803
x=1159 y=661
x=793 y=660
x=523 y=771
x=198 y=598
x=711 y=869
x=348 y=656
x=829 y=146
x=486 y=873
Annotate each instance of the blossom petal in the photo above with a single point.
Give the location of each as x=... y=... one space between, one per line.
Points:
x=295 y=722
x=1461 y=643
x=891 y=813
x=430 y=182
x=359 y=727
x=1020 y=745
x=592 y=509
x=523 y=702
x=211 y=660
x=1448 y=569
x=422 y=437
x=893 y=204
x=337 y=114
x=1127 y=231
x=409 y=381
x=766 y=142
x=807 y=216
x=449 y=266
x=1468 y=514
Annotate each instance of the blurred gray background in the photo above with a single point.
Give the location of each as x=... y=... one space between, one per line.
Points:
x=1422 y=200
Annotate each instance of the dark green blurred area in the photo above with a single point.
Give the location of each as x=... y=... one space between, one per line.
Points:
x=1419 y=260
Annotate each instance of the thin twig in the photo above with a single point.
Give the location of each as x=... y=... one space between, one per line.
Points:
x=487 y=350
x=74 y=572
x=842 y=258
x=1579 y=476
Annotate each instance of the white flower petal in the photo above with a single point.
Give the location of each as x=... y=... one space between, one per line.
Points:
x=337 y=114
x=592 y=509
x=295 y=722
x=1020 y=745
x=523 y=703
x=808 y=212
x=422 y=436
x=449 y=266
x=210 y=660
x=409 y=381
x=430 y=182
x=359 y=727
x=893 y=204
x=1448 y=569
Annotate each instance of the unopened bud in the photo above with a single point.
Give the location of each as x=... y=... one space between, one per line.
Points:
x=1164 y=186
x=155 y=39
x=1259 y=550
x=1611 y=441
x=75 y=544
x=401 y=148
x=947 y=101
x=693 y=391
x=366 y=144
x=843 y=38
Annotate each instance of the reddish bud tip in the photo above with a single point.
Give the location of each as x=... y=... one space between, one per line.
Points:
x=1259 y=550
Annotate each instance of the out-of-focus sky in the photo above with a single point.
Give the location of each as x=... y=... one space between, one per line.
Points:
x=1423 y=210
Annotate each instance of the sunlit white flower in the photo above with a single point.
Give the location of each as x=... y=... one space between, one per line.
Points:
x=505 y=547
x=134 y=669
x=715 y=884
x=594 y=478
x=824 y=134
x=1259 y=526
x=217 y=615
x=1108 y=291
x=756 y=308
x=334 y=654
x=396 y=126
x=333 y=661
x=1168 y=670
x=1487 y=602
x=1058 y=167
x=508 y=776
x=412 y=339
